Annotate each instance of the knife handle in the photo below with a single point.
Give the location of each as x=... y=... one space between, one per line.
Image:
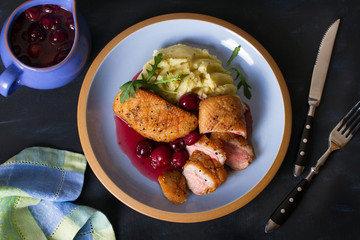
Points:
x=288 y=205
x=304 y=146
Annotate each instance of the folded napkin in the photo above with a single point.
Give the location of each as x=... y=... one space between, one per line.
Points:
x=35 y=189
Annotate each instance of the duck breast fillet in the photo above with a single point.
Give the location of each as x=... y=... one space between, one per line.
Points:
x=153 y=117
x=203 y=174
x=211 y=147
x=222 y=114
x=239 y=152
x=173 y=186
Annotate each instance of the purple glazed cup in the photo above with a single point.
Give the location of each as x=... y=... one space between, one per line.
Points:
x=17 y=73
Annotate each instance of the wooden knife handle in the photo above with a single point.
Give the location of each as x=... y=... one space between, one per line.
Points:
x=288 y=205
x=304 y=146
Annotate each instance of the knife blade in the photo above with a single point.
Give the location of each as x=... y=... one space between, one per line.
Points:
x=316 y=88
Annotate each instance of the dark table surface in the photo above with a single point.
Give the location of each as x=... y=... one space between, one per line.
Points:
x=291 y=31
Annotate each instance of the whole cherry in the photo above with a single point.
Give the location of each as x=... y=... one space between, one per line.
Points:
x=144 y=148
x=161 y=156
x=58 y=36
x=177 y=145
x=192 y=137
x=50 y=8
x=70 y=23
x=190 y=101
x=179 y=159
x=33 y=13
x=48 y=21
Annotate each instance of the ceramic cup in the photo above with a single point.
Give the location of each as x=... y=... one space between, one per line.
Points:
x=19 y=74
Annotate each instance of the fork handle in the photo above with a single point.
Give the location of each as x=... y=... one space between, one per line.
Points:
x=304 y=146
x=287 y=206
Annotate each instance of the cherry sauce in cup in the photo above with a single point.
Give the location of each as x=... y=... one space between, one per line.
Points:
x=43 y=35
x=43 y=45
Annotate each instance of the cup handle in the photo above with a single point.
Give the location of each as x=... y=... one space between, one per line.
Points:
x=8 y=83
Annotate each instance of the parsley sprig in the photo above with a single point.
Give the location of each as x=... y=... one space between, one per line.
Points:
x=242 y=83
x=130 y=87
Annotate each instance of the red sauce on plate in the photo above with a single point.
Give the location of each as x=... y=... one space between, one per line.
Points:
x=128 y=139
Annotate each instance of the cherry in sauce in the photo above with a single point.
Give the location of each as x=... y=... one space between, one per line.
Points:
x=144 y=148
x=177 y=145
x=179 y=159
x=161 y=156
x=43 y=35
x=129 y=141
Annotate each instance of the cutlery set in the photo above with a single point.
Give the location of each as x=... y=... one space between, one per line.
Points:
x=338 y=138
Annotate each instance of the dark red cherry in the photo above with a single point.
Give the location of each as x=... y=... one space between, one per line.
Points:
x=192 y=138
x=190 y=101
x=179 y=159
x=50 y=8
x=36 y=33
x=48 y=21
x=144 y=148
x=161 y=156
x=70 y=23
x=57 y=20
x=33 y=13
x=58 y=36
x=177 y=145
x=34 y=50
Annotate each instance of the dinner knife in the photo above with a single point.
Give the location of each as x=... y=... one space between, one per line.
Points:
x=317 y=84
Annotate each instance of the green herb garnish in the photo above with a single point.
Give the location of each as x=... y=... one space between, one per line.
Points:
x=243 y=83
x=130 y=87
x=233 y=55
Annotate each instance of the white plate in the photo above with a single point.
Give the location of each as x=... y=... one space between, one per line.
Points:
x=124 y=56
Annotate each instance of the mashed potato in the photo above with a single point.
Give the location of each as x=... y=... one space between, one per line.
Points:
x=207 y=77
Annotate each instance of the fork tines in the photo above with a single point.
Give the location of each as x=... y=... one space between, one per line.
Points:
x=350 y=124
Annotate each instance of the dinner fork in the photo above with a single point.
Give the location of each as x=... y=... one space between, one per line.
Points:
x=338 y=138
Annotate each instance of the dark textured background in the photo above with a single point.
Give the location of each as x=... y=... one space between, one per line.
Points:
x=291 y=31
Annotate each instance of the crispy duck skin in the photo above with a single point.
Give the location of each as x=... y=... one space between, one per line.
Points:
x=238 y=151
x=222 y=114
x=173 y=186
x=211 y=147
x=153 y=117
x=203 y=174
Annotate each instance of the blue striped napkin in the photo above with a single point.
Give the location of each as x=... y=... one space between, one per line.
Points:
x=36 y=186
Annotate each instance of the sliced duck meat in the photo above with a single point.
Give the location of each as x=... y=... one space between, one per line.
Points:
x=239 y=153
x=211 y=147
x=222 y=114
x=203 y=174
x=155 y=118
x=173 y=186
